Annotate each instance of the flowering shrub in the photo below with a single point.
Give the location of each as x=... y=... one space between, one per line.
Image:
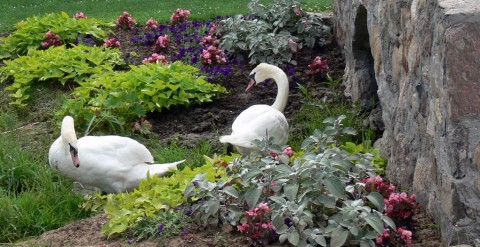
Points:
x=111 y=43
x=125 y=21
x=80 y=15
x=51 y=39
x=310 y=201
x=155 y=58
x=318 y=66
x=212 y=55
x=151 y=24
x=256 y=224
x=180 y=16
x=161 y=43
x=188 y=37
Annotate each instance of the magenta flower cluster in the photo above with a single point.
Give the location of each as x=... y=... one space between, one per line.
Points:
x=111 y=43
x=287 y=151
x=125 y=21
x=398 y=206
x=151 y=24
x=212 y=55
x=399 y=238
x=80 y=15
x=155 y=58
x=161 y=43
x=180 y=16
x=257 y=225
x=51 y=39
x=318 y=66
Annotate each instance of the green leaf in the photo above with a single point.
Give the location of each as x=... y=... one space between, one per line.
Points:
x=389 y=222
x=375 y=222
x=252 y=195
x=291 y=191
x=293 y=237
x=377 y=200
x=320 y=239
x=230 y=191
x=213 y=206
x=335 y=187
x=339 y=236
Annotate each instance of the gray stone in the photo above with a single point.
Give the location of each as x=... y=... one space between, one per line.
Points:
x=419 y=60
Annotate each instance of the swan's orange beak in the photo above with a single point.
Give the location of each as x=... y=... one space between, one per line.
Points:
x=250 y=85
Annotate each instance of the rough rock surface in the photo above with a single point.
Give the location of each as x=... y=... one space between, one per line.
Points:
x=419 y=62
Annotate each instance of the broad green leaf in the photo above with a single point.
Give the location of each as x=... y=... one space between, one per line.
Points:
x=339 y=236
x=252 y=195
x=293 y=237
x=377 y=200
x=375 y=222
x=335 y=187
x=320 y=239
x=291 y=191
x=389 y=222
x=230 y=190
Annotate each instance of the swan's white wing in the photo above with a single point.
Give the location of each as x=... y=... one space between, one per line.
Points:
x=124 y=149
x=255 y=122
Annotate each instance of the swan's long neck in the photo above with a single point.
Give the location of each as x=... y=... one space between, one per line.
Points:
x=282 y=84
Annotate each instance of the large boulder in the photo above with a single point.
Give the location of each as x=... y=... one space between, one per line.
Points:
x=419 y=62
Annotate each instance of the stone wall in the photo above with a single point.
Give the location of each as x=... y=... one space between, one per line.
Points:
x=419 y=62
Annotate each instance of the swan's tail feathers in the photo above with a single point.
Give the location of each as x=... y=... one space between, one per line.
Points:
x=238 y=141
x=161 y=169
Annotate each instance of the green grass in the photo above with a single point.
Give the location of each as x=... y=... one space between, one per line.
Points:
x=109 y=10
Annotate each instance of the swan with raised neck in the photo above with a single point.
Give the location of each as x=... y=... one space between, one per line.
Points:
x=266 y=71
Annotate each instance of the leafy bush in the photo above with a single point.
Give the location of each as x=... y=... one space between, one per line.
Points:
x=30 y=33
x=127 y=95
x=155 y=194
x=57 y=64
x=271 y=34
x=318 y=198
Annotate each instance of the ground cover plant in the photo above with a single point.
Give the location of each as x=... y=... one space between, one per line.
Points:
x=266 y=202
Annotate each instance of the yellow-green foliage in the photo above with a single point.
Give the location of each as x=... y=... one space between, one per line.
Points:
x=57 y=64
x=30 y=33
x=154 y=195
x=127 y=95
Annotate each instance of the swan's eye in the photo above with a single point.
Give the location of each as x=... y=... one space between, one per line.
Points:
x=72 y=149
x=252 y=76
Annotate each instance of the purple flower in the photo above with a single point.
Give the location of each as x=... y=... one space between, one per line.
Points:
x=161 y=228
x=185 y=232
x=195 y=183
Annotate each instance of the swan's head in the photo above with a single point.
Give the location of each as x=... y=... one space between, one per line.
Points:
x=261 y=73
x=68 y=135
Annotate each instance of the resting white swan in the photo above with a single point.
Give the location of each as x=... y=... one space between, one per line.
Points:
x=112 y=163
x=259 y=120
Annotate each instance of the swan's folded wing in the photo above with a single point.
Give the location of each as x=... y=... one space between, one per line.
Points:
x=258 y=120
x=124 y=149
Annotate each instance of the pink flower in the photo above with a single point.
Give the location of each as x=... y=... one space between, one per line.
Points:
x=243 y=227
x=80 y=15
x=155 y=58
x=297 y=11
x=180 y=16
x=319 y=65
x=161 y=43
x=288 y=151
x=125 y=21
x=264 y=207
x=50 y=39
x=111 y=43
x=151 y=24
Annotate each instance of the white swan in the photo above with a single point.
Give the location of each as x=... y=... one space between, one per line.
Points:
x=258 y=121
x=112 y=163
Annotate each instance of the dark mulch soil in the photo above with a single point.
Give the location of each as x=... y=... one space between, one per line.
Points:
x=208 y=122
